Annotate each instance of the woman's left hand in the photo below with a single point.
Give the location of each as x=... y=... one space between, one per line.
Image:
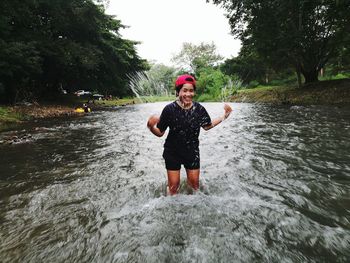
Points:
x=228 y=110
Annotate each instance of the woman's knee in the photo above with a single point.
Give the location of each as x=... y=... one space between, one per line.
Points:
x=173 y=181
x=193 y=178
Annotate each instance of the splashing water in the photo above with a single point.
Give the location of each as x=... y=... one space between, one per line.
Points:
x=230 y=88
x=143 y=84
x=275 y=187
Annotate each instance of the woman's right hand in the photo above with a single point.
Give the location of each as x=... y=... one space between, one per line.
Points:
x=152 y=121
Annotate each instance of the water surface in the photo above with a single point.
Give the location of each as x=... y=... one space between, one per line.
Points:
x=274 y=188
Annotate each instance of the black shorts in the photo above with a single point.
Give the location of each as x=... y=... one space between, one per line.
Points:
x=174 y=159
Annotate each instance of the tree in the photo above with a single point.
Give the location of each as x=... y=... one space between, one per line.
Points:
x=210 y=83
x=303 y=34
x=45 y=45
x=341 y=63
x=194 y=57
x=248 y=66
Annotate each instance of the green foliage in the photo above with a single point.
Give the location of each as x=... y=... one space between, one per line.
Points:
x=157 y=98
x=193 y=58
x=253 y=84
x=6 y=115
x=164 y=75
x=214 y=85
x=210 y=81
x=301 y=34
x=248 y=65
x=46 y=45
x=206 y=98
x=157 y=81
x=337 y=76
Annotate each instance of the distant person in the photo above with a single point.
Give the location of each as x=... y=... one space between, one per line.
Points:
x=86 y=108
x=184 y=117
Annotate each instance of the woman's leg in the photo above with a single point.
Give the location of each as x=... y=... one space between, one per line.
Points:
x=193 y=178
x=173 y=181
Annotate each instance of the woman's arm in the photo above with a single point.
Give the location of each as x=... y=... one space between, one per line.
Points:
x=217 y=121
x=151 y=124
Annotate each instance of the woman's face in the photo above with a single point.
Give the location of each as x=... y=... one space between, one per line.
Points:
x=186 y=93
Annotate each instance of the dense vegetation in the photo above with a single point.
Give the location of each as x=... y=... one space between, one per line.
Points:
x=284 y=43
x=278 y=36
x=48 y=46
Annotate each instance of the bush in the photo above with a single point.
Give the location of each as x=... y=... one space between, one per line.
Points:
x=211 y=82
x=253 y=84
x=206 y=97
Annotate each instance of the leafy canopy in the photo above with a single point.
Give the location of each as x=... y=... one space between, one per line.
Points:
x=194 y=57
x=47 y=45
x=303 y=34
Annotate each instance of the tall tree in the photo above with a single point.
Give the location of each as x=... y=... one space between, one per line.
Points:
x=305 y=34
x=194 y=57
x=248 y=66
x=48 y=44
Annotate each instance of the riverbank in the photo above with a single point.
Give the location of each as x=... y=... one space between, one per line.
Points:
x=12 y=116
x=332 y=92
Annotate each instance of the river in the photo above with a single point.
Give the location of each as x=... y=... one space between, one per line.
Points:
x=275 y=187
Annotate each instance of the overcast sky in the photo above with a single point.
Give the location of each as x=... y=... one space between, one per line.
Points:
x=163 y=25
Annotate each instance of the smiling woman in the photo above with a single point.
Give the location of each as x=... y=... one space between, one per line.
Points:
x=184 y=117
x=168 y=20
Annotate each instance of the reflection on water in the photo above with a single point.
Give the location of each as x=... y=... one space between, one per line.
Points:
x=274 y=188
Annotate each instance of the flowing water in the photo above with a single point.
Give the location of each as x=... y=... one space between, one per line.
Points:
x=275 y=187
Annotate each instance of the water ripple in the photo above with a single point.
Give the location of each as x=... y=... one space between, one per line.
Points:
x=274 y=188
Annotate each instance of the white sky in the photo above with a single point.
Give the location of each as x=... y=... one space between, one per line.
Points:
x=163 y=25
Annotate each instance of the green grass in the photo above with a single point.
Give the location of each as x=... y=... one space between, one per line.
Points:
x=158 y=98
x=322 y=92
x=114 y=102
x=334 y=77
x=260 y=88
x=7 y=115
x=9 y=119
x=207 y=98
x=126 y=101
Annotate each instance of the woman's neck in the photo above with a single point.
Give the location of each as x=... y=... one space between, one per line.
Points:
x=183 y=105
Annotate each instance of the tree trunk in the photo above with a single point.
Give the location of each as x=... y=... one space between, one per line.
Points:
x=322 y=72
x=310 y=76
x=298 y=76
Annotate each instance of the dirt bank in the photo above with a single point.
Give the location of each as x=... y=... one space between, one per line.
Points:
x=38 y=112
x=11 y=116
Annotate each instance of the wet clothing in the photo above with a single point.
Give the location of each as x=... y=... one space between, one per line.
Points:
x=182 y=144
x=174 y=159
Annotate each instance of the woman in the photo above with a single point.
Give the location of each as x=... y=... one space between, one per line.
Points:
x=184 y=117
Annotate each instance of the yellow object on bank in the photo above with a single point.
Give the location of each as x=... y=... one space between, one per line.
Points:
x=81 y=110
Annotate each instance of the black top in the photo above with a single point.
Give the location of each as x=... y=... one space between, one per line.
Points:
x=184 y=125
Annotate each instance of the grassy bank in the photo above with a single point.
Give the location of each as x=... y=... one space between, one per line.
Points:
x=323 y=92
x=11 y=116
x=331 y=92
x=127 y=101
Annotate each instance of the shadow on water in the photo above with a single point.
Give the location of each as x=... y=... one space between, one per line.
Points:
x=274 y=188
